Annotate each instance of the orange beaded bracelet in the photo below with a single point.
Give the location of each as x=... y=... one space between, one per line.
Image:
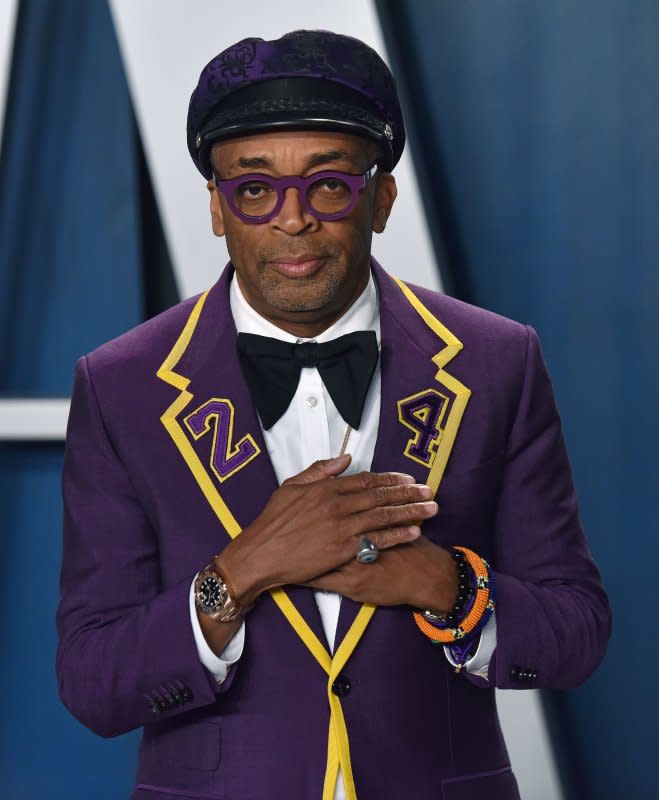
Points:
x=481 y=602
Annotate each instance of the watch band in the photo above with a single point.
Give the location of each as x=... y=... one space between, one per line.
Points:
x=214 y=598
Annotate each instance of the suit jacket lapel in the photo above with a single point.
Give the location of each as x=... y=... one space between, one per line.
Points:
x=422 y=403
x=216 y=430
x=415 y=347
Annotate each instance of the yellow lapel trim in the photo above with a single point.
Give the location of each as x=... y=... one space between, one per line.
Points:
x=337 y=720
x=338 y=751
x=461 y=392
x=169 y=420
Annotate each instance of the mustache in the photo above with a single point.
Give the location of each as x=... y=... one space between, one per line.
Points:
x=269 y=253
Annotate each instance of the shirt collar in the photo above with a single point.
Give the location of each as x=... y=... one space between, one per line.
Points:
x=363 y=315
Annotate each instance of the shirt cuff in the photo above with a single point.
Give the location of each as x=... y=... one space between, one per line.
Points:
x=218 y=666
x=478 y=664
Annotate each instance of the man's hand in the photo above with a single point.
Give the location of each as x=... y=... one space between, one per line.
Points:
x=419 y=574
x=313 y=522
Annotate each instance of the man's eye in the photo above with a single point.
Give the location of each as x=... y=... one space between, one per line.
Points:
x=330 y=188
x=253 y=190
x=332 y=185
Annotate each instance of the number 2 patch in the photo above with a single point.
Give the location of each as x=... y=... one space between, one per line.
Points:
x=423 y=413
x=226 y=458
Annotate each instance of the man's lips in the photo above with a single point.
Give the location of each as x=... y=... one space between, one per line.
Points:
x=297 y=266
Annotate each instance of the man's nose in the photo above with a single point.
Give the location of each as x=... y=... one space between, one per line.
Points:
x=293 y=218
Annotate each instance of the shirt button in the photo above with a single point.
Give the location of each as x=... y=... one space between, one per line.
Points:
x=311 y=401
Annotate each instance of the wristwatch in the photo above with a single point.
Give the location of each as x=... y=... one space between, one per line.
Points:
x=213 y=598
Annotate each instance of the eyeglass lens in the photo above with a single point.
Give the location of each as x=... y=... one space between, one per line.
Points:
x=256 y=198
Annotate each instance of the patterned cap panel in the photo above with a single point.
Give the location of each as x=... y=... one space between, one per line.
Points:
x=321 y=55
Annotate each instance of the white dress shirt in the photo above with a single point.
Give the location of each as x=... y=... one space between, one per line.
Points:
x=312 y=429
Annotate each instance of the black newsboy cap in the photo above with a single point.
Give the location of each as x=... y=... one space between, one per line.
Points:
x=304 y=80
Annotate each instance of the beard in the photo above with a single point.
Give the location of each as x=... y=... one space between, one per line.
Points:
x=305 y=293
x=310 y=293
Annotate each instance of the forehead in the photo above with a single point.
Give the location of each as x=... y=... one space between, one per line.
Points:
x=293 y=150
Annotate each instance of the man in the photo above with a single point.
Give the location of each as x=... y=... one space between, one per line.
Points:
x=314 y=516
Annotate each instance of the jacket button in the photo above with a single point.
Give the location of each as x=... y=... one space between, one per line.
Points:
x=341 y=685
x=523 y=674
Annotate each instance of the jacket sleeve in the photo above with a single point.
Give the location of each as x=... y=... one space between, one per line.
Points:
x=553 y=616
x=126 y=654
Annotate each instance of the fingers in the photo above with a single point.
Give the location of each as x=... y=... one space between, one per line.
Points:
x=384 y=517
x=392 y=537
x=360 y=482
x=399 y=494
x=365 y=481
x=320 y=470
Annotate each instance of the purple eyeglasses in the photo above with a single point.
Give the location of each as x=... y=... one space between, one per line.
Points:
x=327 y=195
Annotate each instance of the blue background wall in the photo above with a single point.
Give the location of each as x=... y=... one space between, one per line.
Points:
x=70 y=278
x=537 y=132
x=537 y=139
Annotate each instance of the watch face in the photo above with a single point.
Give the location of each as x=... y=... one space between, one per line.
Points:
x=211 y=594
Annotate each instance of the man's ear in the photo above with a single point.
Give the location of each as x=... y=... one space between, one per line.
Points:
x=217 y=218
x=385 y=195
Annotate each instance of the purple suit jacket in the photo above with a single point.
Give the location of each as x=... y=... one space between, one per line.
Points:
x=165 y=461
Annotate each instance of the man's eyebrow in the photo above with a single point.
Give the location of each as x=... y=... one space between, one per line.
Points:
x=316 y=160
x=330 y=156
x=253 y=162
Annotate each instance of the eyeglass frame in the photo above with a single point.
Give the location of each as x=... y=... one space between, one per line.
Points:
x=355 y=183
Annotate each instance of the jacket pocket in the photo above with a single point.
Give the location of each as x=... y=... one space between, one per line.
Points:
x=498 y=784
x=193 y=745
x=147 y=791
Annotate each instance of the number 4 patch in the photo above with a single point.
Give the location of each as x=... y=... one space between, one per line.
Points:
x=423 y=414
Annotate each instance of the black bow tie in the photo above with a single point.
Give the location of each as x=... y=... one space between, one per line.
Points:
x=272 y=371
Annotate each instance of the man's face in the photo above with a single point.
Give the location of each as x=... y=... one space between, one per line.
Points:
x=297 y=271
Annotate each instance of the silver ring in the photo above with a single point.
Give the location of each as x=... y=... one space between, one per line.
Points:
x=367 y=552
